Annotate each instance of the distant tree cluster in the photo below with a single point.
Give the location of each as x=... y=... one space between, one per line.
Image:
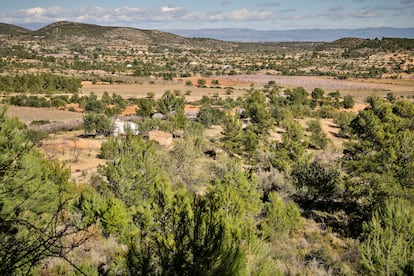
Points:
x=39 y=83
x=388 y=44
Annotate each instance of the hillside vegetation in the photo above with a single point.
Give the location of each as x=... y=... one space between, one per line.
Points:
x=8 y=29
x=105 y=53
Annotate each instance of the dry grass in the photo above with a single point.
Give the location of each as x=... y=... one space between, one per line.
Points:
x=358 y=88
x=30 y=114
x=158 y=88
x=96 y=251
x=314 y=250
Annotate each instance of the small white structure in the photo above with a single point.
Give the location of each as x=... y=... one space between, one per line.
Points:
x=122 y=127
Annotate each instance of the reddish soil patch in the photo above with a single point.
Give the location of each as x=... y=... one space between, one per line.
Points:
x=129 y=110
x=86 y=83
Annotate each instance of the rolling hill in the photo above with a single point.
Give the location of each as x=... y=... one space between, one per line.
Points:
x=326 y=35
x=10 y=30
x=71 y=33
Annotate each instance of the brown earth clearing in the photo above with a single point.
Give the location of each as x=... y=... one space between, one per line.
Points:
x=158 y=88
x=77 y=153
x=358 y=88
x=30 y=114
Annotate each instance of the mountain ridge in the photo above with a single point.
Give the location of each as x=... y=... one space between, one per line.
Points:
x=317 y=35
x=229 y=37
x=71 y=33
x=10 y=29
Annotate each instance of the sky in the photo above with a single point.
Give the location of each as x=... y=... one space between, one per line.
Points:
x=194 y=14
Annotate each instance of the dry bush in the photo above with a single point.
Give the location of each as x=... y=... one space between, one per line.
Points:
x=315 y=252
x=104 y=254
x=61 y=126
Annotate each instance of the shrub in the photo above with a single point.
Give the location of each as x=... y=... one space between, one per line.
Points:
x=327 y=111
x=281 y=218
x=35 y=136
x=316 y=182
x=348 y=102
x=343 y=121
x=97 y=123
x=387 y=247
x=201 y=82
x=318 y=138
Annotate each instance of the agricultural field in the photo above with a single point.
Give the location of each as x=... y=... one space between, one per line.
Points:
x=143 y=151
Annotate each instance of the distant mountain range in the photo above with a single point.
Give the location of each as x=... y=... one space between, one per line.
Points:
x=58 y=29
x=326 y=35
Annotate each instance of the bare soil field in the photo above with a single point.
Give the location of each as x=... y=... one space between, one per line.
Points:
x=222 y=81
x=142 y=90
x=158 y=88
x=30 y=114
x=77 y=153
x=358 y=88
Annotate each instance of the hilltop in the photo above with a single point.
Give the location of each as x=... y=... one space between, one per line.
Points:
x=110 y=51
x=10 y=30
x=72 y=34
x=66 y=33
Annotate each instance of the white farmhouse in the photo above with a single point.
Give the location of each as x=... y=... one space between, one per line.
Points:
x=122 y=127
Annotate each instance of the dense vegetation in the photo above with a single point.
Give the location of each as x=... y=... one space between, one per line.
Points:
x=40 y=83
x=35 y=217
x=195 y=211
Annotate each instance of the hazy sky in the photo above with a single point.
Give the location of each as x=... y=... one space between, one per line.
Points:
x=192 y=14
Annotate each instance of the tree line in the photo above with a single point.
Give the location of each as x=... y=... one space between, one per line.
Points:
x=39 y=83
